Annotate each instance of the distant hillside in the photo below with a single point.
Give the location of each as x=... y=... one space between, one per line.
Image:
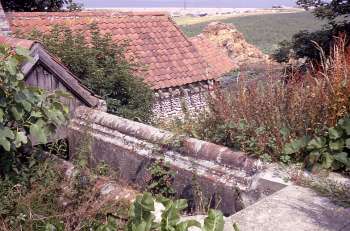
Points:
x=265 y=31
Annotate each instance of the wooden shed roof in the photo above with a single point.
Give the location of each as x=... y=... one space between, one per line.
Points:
x=42 y=56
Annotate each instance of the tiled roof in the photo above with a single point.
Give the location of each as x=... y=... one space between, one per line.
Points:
x=15 y=42
x=220 y=63
x=155 y=41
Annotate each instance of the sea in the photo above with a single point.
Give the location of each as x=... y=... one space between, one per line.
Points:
x=186 y=3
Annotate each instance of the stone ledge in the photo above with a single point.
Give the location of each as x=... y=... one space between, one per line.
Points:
x=129 y=147
x=191 y=147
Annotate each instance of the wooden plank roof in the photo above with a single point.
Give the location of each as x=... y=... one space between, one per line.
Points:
x=42 y=56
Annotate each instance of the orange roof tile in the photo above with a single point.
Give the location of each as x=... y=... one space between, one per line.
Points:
x=155 y=41
x=220 y=63
x=15 y=42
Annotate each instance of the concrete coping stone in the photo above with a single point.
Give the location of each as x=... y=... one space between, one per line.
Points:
x=187 y=146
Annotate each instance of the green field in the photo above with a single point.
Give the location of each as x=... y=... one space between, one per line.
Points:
x=265 y=31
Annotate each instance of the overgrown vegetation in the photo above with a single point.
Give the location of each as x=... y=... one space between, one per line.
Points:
x=302 y=45
x=329 y=151
x=260 y=116
x=142 y=216
x=102 y=66
x=161 y=179
x=28 y=115
x=45 y=199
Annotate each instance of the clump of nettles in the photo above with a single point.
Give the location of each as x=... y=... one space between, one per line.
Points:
x=162 y=178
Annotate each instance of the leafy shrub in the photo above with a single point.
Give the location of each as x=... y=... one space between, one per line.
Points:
x=102 y=66
x=329 y=151
x=303 y=44
x=142 y=217
x=27 y=115
x=162 y=179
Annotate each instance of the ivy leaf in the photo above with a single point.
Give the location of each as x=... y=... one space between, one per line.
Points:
x=21 y=138
x=335 y=133
x=316 y=143
x=170 y=217
x=342 y=157
x=214 y=221
x=11 y=65
x=37 y=131
x=36 y=114
x=1 y=115
x=337 y=145
x=345 y=124
x=17 y=112
x=295 y=146
x=50 y=227
x=23 y=52
x=141 y=227
x=347 y=143
x=235 y=227
x=285 y=133
x=147 y=202
x=5 y=135
x=185 y=225
x=327 y=160
x=27 y=106
x=314 y=156
x=19 y=76
x=180 y=204
x=5 y=144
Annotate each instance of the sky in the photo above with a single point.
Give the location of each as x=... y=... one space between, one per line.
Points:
x=190 y=3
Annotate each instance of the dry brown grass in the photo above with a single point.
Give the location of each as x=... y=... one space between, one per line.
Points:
x=72 y=204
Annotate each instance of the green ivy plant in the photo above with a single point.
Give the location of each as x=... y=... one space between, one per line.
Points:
x=330 y=151
x=28 y=115
x=162 y=178
x=142 y=217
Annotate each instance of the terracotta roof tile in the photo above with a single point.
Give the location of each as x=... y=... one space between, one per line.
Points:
x=15 y=42
x=154 y=40
x=220 y=63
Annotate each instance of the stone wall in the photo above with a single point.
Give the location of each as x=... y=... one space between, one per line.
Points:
x=4 y=25
x=229 y=179
x=175 y=103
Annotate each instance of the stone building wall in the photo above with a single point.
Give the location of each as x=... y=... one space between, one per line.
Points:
x=4 y=25
x=175 y=103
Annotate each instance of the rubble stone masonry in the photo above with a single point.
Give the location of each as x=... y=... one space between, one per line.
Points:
x=175 y=103
x=4 y=25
